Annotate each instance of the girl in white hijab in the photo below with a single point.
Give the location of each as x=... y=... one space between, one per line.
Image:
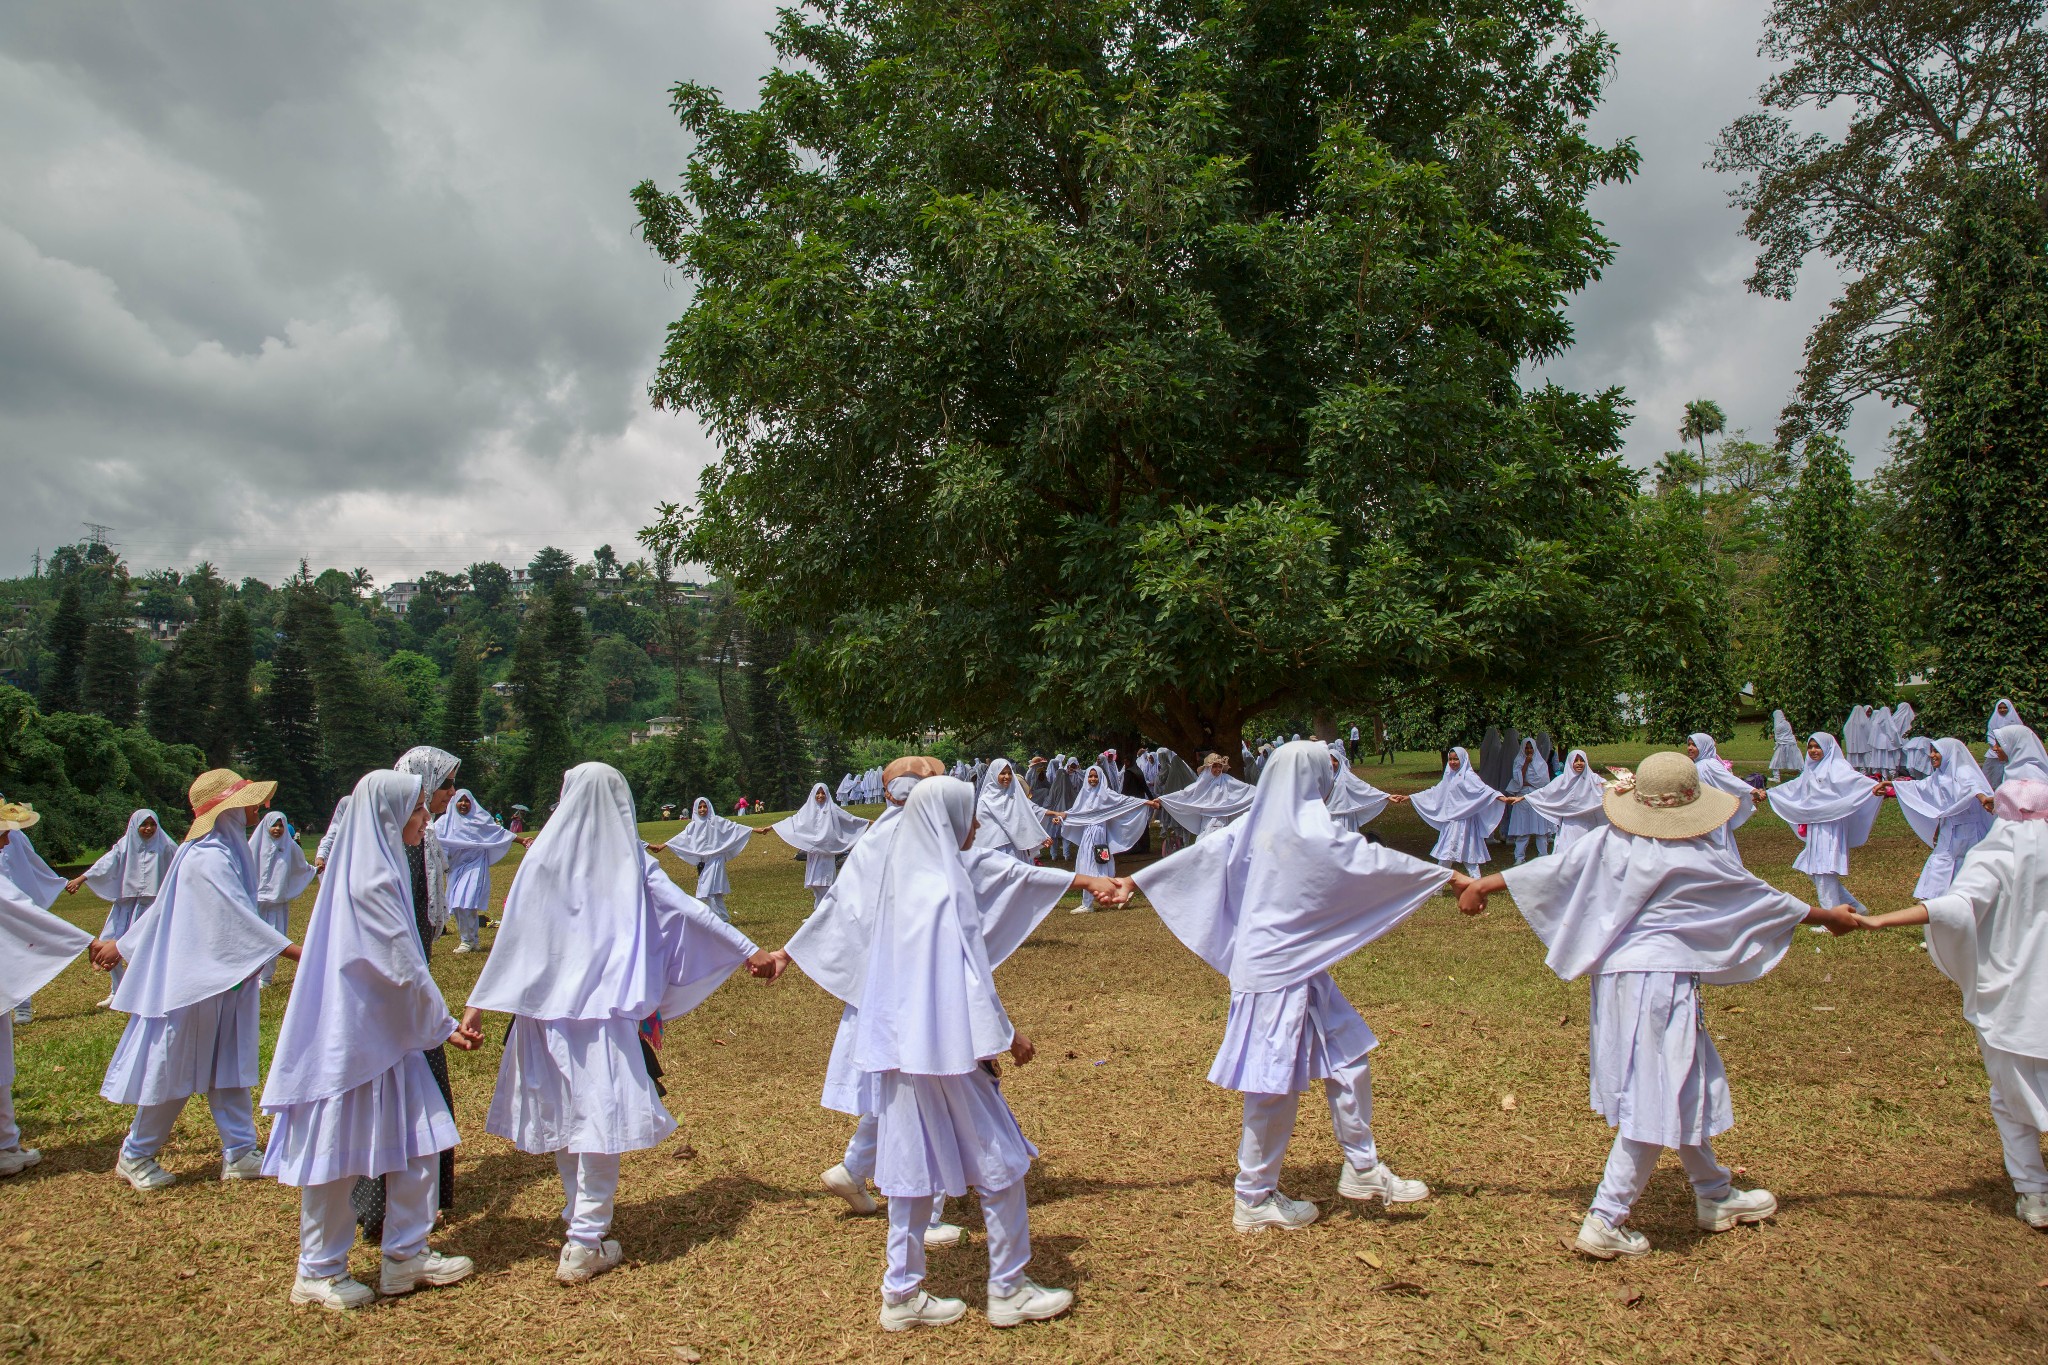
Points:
x=2004 y=713
x=1353 y=802
x=1914 y=749
x=821 y=831
x=34 y=947
x=189 y=992
x=1004 y=816
x=1650 y=908
x=1272 y=904
x=708 y=843
x=929 y=1026
x=1463 y=810
x=1101 y=823
x=595 y=939
x=1528 y=773
x=1212 y=801
x=1572 y=801
x=350 y=1092
x=1988 y=933
x=1950 y=810
x=282 y=873
x=1885 y=743
x=1831 y=806
x=435 y=769
x=127 y=878
x=25 y=869
x=1785 y=755
x=1715 y=773
x=1856 y=738
x=473 y=843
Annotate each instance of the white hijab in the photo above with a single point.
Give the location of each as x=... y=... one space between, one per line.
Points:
x=928 y=1006
x=22 y=865
x=133 y=868
x=1458 y=795
x=833 y=944
x=1212 y=796
x=1286 y=893
x=1530 y=771
x=1351 y=796
x=1826 y=789
x=363 y=996
x=1999 y=953
x=1950 y=790
x=1781 y=729
x=1008 y=819
x=2024 y=759
x=34 y=944
x=1121 y=819
x=203 y=935
x=820 y=826
x=1569 y=793
x=1998 y=722
x=709 y=836
x=475 y=832
x=1717 y=774
x=433 y=767
x=282 y=871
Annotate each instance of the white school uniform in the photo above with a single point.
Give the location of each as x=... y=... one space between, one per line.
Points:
x=35 y=946
x=1570 y=801
x=128 y=875
x=710 y=841
x=1463 y=810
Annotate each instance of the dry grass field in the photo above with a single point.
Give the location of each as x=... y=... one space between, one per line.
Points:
x=1859 y=1100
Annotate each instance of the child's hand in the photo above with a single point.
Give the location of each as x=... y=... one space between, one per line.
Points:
x=105 y=954
x=1471 y=900
x=71 y=887
x=1836 y=919
x=767 y=965
x=471 y=1029
x=1021 y=1049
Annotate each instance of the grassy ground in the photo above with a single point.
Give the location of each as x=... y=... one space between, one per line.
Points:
x=1859 y=1099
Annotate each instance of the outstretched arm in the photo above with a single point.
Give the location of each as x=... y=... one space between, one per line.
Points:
x=1473 y=892
x=1896 y=919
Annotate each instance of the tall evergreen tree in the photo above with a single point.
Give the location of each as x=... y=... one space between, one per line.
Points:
x=547 y=665
x=288 y=745
x=779 y=768
x=1979 y=476
x=108 y=687
x=1832 y=647
x=69 y=625
x=1684 y=662
x=177 y=700
x=231 y=717
x=461 y=704
x=351 y=740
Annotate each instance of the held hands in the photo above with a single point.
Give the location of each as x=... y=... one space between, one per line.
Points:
x=655 y=849
x=468 y=1034
x=767 y=964
x=1107 y=891
x=71 y=887
x=105 y=954
x=1836 y=919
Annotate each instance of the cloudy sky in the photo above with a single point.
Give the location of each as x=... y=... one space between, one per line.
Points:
x=359 y=282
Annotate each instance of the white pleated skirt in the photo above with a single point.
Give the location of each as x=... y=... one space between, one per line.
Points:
x=276 y=914
x=122 y=914
x=1282 y=1042
x=1573 y=827
x=848 y=1089
x=1461 y=841
x=469 y=883
x=944 y=1134
x=577 y=1085
x=819 y=869
x=1523 y=821
x=1655 y=1073
x=1826 y=851
x=208 y=1046
x=372 y=1130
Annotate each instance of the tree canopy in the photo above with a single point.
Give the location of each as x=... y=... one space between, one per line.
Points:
x=1148 y=361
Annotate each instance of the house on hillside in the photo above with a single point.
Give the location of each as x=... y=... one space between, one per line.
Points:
x=399 y=596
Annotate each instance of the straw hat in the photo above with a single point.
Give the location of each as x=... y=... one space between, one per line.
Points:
x=14 y=815
x=1663 y=799
x=219 y=789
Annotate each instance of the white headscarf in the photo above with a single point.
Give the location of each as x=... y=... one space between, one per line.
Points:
x=1826 y=789
x=1569 y=793
x=928 y=1006
x=204 y=934
x=133 y=868
x=363 y=996
x=1995 y=943
x=1856 y=730
x=1351 y=796
x=1950 y=790
x=1008 y=819
x=709 y=835
x=333 y=830
x=1458 y=795
x=832 y=945
x=1903 y=717
x=1212 y=799
x=282 y=871
x=433 y=767
x=2024 y=759
x=1528 y=771
x=1285 y=893
x=34 y=944
x=1121 y=819
x=578 y=938
x=1781 y=730
x=1613 y=901
x=820 y=826
x=1714 y=772
x=22 y=865
x=473 y=832
x=1998 y=722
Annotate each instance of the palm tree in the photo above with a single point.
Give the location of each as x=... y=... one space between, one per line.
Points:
x=362 y=581
x=1703 y=418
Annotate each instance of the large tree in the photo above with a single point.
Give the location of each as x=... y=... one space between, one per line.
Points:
x=1927 y=86
x=1148 y=363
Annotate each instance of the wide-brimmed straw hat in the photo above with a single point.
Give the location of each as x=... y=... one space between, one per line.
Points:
x=1663 y=799
x=14 y=815
x=219 y=789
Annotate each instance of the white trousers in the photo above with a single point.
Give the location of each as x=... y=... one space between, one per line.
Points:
x=10 y=1132
x=590 y=1192
x=1009 y=1241
x=2020 y=1138
x=1630 y=1165
x=466 y=926
x=1269 y=1124
x=1471 y=869
x=1522 y=846
x=1828 y=886
x=327 y=1220
x=233 y=1115
x=860 y=1160
x=717 y=904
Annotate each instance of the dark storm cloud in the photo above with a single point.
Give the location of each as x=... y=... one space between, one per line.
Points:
x=359 y=281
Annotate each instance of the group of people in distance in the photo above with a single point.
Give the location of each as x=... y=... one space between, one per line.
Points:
x=598 y=951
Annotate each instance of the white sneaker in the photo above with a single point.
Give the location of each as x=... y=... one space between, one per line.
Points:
x=336 y=1293
x=1082 y=910
x=579 y=1263
x=15 y=1160
x=104 y=1003
x=2031 y=1209
x=1028 y=1302
x=1380 y=1183
x=464 y=948
x=248 y=1166
x=1741 y=1206
x=1276 y=1210
x=840 y=1181
x=430 y=1268
x=144 y=1174
x=1603 y=1241
x=939 y=1235
x=921 y=1310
